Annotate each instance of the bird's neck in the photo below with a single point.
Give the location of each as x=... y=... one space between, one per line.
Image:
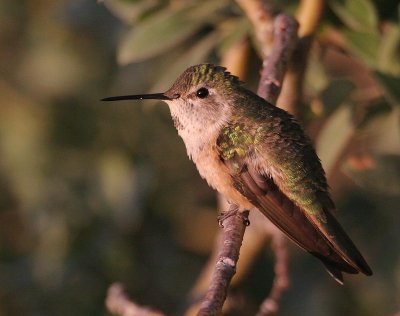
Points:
x=198 y=128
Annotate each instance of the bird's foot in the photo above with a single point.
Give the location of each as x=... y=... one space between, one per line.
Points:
x=245 y=217
x=233 y=211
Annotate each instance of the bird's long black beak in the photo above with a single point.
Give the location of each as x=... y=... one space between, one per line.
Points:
x=151 y=96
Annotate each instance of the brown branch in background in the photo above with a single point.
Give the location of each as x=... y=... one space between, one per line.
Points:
x=281 y=281
x=261 y=14
x=308 y=15
x=118 y=303
x=234 y=226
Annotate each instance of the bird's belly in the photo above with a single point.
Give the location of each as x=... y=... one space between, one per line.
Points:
x=218 y=177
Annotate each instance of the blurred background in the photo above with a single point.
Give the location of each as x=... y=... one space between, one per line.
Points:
x=92 y=192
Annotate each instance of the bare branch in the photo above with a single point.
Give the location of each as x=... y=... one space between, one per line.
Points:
x=118 y=303
x=234 y=225
x=275 y=65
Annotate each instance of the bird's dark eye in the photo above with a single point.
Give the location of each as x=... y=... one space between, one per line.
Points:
x=202 y=93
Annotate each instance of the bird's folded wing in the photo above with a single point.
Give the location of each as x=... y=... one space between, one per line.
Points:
x=280 y=210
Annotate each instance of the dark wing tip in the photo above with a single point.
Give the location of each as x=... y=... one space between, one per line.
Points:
x=334 y=272
x=364 y=267
x=335 y=269
x=345 y=248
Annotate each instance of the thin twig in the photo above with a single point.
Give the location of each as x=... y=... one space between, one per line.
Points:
x=118 y=303
x=234 y=225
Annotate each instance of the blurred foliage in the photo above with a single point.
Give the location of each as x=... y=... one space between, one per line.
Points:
x=93 y=193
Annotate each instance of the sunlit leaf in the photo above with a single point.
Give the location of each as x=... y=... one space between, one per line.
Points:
x=389 y=50
x=165 y=29
x=359 y=15
x=364 y=45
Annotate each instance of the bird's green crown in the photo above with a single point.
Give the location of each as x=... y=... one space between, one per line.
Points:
x=208 y=74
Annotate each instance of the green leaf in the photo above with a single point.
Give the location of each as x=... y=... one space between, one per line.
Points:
x=389 y=50
x=390 y=85
x=358 y=15
x=364 y=45
x=165 y=29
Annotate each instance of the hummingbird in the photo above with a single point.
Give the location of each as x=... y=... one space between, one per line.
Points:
x=258 y=157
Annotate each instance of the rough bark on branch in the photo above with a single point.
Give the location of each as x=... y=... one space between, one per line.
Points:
x=234 y=226
x=275 y=65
